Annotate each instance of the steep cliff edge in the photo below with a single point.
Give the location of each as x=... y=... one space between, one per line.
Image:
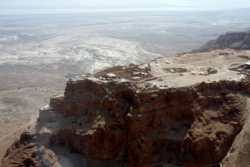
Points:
x=161 y=113
x=190 y=126
x=233 y=40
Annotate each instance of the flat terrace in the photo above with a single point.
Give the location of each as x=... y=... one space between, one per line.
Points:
x=188 y=69
x=181 y=70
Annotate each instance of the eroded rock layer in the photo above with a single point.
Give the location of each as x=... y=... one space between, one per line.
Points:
x=190 y=126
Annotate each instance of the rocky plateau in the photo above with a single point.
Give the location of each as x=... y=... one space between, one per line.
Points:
x=138 y=115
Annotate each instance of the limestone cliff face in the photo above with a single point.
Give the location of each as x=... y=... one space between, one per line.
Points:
x=191 y=126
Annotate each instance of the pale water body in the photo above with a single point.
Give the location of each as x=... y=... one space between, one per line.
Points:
x=99 y=10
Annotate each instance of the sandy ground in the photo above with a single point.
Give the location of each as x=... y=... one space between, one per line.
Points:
x=196 y=66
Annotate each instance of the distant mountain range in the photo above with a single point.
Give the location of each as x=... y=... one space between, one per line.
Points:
x=233 y=40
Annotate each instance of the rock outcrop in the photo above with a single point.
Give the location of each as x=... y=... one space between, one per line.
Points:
x=27 y=152
x=191 y=126
x=232 y=40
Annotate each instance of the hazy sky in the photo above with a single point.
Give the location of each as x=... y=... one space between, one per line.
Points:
x=204 y=4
